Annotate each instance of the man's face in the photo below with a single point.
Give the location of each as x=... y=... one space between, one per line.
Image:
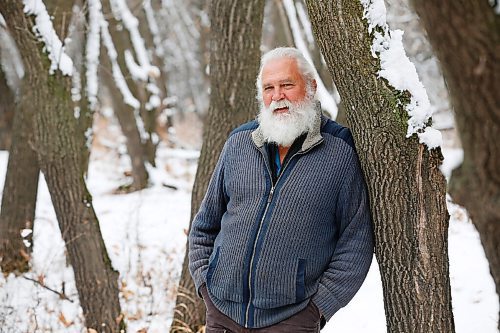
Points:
x=281 y=80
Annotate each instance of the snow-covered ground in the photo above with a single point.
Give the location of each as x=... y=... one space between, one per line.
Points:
x=145 y=234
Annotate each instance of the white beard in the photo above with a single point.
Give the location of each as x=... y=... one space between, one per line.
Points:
x=284 y=128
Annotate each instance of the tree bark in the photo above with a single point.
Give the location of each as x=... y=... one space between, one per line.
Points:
x=407 y=190
x=236 y=34
x=19 y=192
x=466 y=38
x=59 y=159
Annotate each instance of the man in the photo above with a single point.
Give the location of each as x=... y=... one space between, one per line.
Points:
x=283 y=238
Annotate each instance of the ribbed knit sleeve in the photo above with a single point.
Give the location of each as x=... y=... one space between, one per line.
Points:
x=206 y=224
x=353 y=254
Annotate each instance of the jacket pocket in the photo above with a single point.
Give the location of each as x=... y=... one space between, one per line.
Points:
x=279 y=283
x=223 y=277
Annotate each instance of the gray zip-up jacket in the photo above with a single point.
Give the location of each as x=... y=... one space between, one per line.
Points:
x=265 y=249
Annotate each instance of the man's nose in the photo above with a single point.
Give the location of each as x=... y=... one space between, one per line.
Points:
x=277 y=94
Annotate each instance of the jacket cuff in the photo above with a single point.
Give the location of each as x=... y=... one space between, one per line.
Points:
x=326 y=302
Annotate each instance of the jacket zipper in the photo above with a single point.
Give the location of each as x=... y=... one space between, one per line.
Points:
x=269 y=199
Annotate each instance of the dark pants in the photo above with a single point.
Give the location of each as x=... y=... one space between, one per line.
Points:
x=305 y=321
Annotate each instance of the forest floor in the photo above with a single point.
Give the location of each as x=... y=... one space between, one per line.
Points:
x=145 y=235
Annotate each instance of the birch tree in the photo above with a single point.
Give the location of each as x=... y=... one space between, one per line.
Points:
x=400 y=156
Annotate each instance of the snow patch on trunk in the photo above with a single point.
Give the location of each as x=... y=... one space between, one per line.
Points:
x=400 y=72
x=44 y=30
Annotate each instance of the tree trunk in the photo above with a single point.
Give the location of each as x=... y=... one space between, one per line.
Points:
x=19 y=192
x=407 y=190
x=466 y=37
x=125 y=114
x=236 y=34
x=7 y=105
x=55 y=141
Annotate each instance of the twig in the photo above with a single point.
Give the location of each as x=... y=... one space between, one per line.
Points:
x=61 y=295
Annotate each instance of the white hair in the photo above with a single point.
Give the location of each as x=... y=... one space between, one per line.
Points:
x=305 y=68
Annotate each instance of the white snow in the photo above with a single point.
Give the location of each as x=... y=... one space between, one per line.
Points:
x=26 y=232
x=431 y=137
x=128 y=97
x=453 y=158
x=122 y=13
x=399 y=71
x=153 y=27
x=45 y=31
x=92 y=51
x=10 y=60
x=3 y=24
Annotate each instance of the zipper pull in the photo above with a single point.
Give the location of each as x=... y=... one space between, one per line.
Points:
x=270 y=198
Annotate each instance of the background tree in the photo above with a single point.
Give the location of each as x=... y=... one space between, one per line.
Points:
x=54 y=139
x=407 y=190
x=236 y=29
x=21 y=185
x=466 y=38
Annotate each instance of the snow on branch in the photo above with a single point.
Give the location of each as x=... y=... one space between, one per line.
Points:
x=400 y=72
x=10 y=59
x=153 y=27
x=45 y=31
x=326 y=99
x=144 y=69
x=3 y=24
x=92 y=51
x=128 y=97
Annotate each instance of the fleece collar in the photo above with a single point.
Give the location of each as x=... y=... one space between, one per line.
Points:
x=312 y=137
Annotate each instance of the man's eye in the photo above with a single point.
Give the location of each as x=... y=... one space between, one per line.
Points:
x=288 y=85
x=267 y=88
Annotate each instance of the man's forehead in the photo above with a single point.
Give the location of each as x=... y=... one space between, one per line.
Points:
x=280 y=69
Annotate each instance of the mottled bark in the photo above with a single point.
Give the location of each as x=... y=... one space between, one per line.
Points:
x=236 y=34
x=407 y=190
x=54 y=129
x=465 y=36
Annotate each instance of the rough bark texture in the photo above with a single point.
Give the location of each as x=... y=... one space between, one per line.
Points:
x=407 y=190
x=59 y=159
x=19 y=192
x=236 y=35
x=6 y=113
x=466 y=38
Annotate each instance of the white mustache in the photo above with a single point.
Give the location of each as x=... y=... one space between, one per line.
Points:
x=280 y=104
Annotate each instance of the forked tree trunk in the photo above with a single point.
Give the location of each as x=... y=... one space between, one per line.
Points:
x=407 y=190
x=466 y=38
x=125 y=114
x=20 y=191
x=234 y=62
x=54 y=133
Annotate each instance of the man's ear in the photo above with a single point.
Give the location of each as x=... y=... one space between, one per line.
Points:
x=315 y=85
